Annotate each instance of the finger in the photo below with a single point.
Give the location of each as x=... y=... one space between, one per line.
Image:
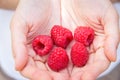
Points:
x=41 y=65
x=35 y=71
x=94 y=70
x=18 y=33
x=112 y=34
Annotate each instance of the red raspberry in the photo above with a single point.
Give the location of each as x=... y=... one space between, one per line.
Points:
x=58 y=59
x=84 y=35
x=61 y=36
x=79 y=54
x=42 y=44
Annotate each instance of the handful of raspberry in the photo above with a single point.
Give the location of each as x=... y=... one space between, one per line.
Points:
x=56 y=44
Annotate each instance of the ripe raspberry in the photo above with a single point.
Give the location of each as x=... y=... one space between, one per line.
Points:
x=42 y=44
x=58 y=59
x=84 y=35
x=79 y=54
x=61 y=36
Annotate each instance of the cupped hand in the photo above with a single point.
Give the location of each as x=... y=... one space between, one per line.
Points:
x=102 y=17
x=32 y=18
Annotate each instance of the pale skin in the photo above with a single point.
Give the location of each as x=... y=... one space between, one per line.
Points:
x=38 y=16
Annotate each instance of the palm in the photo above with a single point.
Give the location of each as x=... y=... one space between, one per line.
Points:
x=96 y=64
x=37 y=65
x=36 y=68
x=91 y=17
x=36 y=22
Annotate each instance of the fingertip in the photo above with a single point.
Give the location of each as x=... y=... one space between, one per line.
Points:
x=111 y=49
x=20 y=62
x=111 y=56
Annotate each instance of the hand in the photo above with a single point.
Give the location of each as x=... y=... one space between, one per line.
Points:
x=34 y=17
x=102 y=17
x=78 y=16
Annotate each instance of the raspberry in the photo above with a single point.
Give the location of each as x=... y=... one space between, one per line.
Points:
x=61 y=36
x=42 y=44
x=58 y=59
x=79 y=54
x=84 y=35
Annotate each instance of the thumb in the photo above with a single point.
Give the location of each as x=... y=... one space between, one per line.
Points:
x=18 y=33
x=111 y=33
